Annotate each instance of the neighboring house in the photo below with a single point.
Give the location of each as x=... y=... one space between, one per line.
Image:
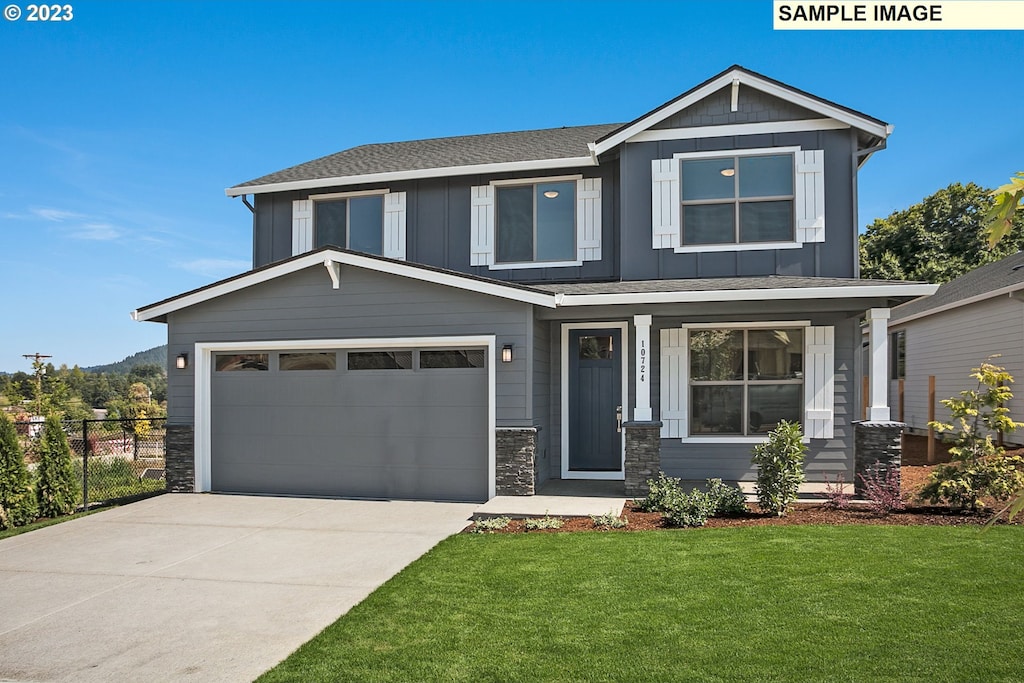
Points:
x=466 y=317
x=977 y=315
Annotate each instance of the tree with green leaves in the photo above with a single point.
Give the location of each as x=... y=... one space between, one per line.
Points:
x=56 y=489
x=941 y=237
x=1007 y=200
x=17 y=501
x=780 y=468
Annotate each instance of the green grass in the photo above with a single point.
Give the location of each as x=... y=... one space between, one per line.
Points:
x=851 y=603
x=6 y=533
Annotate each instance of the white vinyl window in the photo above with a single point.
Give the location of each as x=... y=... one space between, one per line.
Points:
x=355 y=223
x=536 y=222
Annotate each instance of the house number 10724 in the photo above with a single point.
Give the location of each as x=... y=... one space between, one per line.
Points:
x=643 y=361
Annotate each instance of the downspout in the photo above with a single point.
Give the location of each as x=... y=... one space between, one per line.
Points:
x=856 y=161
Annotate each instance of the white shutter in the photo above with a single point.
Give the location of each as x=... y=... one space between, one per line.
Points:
x=674 y=387
x=302 y=226
x=481 y=226
x=665 y=203
x=588 y=219
x=809 y=195
x=819 y=382
x=394 y=225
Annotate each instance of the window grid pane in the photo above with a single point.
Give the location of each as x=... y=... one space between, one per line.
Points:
x=366 y=224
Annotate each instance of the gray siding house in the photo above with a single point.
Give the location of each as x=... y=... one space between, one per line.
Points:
x=466 y=317
x=968 y=320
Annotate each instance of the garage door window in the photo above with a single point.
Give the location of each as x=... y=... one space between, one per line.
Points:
x=234 y=362
x=380 y=360
x=309 y=361
x=452 y=358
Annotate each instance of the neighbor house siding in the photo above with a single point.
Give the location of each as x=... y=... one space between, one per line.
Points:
x=304 y=306
x=949 y=345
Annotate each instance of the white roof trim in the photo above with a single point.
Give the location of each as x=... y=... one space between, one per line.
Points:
x=797 y=98
x=1009 y=289
x=319 y=258
x=658 y=134
x=392 y=176
x=854 y=292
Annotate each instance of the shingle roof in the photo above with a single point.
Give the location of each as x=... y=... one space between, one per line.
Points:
x=1000 y=275
x=711 y=284
x=464 y=150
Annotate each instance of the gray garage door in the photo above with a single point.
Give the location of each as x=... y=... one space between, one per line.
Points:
x=406 y=424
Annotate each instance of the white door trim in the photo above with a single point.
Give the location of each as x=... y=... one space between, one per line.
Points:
x=204 y=374
x=623 y=326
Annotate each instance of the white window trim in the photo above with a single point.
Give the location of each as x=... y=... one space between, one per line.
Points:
x=346 y=195
x=738 y=246
x=204 y=382
x=338 y=196
x=735 y=438
x=520 y=265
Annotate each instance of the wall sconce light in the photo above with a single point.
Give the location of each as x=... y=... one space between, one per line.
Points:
x=506 y=353
x=181 y=362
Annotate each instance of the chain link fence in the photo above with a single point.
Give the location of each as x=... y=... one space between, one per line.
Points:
x=114 y=460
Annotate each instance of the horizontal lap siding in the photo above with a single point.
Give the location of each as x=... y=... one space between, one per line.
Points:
x=948 y=345
x=304 y=306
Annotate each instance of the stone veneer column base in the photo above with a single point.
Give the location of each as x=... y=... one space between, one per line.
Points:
x=515 y=467
x=180 y=459
x=643 y=456
x=877 y=448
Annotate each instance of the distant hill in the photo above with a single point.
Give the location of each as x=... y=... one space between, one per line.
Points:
x=156 y=355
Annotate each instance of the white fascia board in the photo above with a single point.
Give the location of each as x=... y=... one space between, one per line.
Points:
x=805 y=101
x=320 y=258
x=393 y=176
x=1008 y=290
x=659 y=134
x=865 y=292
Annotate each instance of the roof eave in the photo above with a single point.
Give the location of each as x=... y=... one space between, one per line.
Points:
x=953 y=305
x=914 y=289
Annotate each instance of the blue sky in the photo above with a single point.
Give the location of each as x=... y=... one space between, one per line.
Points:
x=120 y=129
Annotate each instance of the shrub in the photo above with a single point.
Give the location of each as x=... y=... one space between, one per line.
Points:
x=780 y=467
x=664 y=491
x=882 y=489
x=545 y=522
x=726 y=500
x=17 y=502
x=836 y=496
x=489 y=525
x=691 y=509
x=56 y=492
x=609 y=520
x=979 y=467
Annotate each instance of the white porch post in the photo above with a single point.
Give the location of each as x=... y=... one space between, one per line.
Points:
x=642 y=411
x=878 y=374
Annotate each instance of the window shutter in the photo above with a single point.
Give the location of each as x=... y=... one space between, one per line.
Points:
x=302 y=226
x=665 y=203
x=674 y=387
x=588 y=219
x=481 y=223
x=810 y=195
x=394 y=225
x=819 y=382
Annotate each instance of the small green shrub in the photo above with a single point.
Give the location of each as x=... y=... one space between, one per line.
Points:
x=609 y=520
x=489 y=525
x=963 y=483
x=545 y=522
x=780 y=467
x=727 y=500
x=17 y=502
x=691 y=509
x=56 y=489
x=664 y=492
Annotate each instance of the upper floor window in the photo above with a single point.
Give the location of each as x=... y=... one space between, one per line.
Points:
x=735 y=200
x=355 y=223
x=536 y=222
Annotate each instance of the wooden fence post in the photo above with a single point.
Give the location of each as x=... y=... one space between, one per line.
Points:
x=931 y=418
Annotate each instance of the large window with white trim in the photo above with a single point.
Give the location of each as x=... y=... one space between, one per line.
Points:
x=737 y=199
x=744 y=381
x=536 y=222
x=355 y=223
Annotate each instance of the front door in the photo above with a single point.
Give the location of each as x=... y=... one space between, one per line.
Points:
x=595 y=401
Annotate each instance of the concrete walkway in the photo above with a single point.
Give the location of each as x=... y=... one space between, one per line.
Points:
x=560 y=498
x=198 y=587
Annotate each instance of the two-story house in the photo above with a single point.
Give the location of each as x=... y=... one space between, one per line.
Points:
x=466 y=317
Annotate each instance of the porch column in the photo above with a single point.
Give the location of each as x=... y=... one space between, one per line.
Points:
x=878 y=373
x=642 y=410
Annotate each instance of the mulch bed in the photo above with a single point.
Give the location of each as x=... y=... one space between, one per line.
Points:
x=913 y=478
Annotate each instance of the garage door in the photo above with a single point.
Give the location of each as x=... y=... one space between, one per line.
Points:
x=408 y=424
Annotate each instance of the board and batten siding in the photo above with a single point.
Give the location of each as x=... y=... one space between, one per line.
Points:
x=826 y=458
x=542 y=396
x=303 y=306
x=948 y=345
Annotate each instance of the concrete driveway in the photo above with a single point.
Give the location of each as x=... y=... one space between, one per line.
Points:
x=198 y=587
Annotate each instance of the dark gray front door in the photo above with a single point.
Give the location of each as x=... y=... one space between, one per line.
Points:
x=595 y=396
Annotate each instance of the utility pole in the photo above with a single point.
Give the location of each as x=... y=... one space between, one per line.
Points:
x=40 y=369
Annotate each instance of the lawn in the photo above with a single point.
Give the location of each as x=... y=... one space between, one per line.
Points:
x=850 y=603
